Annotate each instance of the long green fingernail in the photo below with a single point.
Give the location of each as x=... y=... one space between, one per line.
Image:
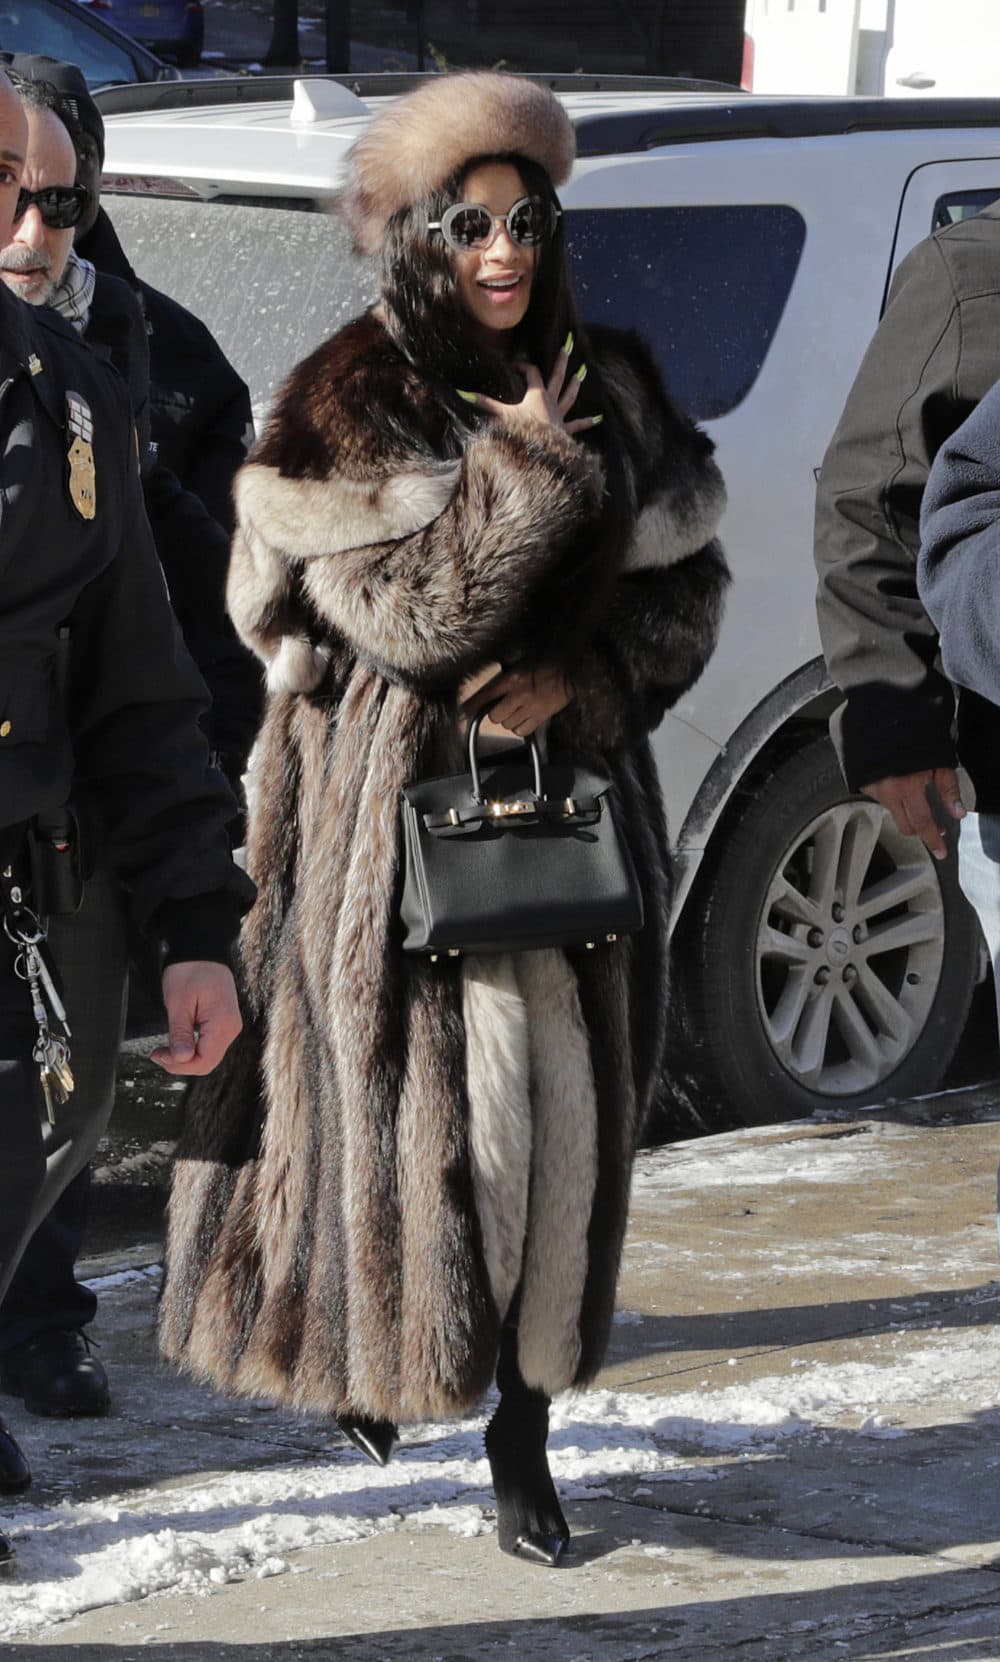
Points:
x=581 y=373
x=595 y=419
x=568 y=345
x=470 y=397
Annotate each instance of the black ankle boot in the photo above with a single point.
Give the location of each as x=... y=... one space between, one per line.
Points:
x=373 y=1437
x=15 y=1473
x=530 y=1522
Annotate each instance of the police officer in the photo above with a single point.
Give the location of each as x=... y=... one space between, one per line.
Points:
x=46 y=1357
x=80 y=586
x=200 y=424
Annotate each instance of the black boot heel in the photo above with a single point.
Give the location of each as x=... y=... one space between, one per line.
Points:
x=530 y=1522
x=15 y=1473
x=373 y=1437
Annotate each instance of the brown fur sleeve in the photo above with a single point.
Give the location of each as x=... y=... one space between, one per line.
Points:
x=422 y=569
x=660 y=632
x=663 y=621
x=679 y=493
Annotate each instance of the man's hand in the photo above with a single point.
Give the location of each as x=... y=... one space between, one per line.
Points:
x=523 y=698
x=203 y=1017
x=906 y=799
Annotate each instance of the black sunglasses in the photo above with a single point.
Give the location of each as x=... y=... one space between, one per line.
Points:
x=60 y=206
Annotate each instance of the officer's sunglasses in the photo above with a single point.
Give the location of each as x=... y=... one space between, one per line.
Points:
x=59 y=205
x=468 y=225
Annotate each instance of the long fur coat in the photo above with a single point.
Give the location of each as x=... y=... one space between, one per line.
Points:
x=394 y=1148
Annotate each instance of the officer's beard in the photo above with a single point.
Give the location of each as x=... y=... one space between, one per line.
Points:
x=37 y=284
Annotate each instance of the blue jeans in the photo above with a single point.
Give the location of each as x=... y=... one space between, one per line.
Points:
x=979 y=880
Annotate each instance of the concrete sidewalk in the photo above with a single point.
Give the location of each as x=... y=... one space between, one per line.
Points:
x=809 y=1314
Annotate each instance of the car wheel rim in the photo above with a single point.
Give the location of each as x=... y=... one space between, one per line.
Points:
x=849 y=950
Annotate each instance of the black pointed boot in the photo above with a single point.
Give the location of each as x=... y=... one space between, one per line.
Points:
x=530 y=1523
x=373 y=1437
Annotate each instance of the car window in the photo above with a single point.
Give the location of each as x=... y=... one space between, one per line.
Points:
x=961 y=204
x=706 y=286
x=269 y=283
x=32 y=26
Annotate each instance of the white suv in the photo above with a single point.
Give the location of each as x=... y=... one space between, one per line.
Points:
x=752 y=242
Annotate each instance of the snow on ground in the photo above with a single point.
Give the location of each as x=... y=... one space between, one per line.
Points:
x=191 y=1535
x=750 y=1158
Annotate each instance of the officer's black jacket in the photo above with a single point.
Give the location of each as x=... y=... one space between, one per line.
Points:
x=200 y=410
x=124 y=739
x=193 y=547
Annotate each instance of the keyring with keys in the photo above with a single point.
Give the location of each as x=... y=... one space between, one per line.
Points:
x=50 y=1052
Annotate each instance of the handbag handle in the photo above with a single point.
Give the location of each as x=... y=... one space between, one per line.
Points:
x=529 y=744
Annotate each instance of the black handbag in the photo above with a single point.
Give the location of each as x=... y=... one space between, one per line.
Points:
x=514 y=855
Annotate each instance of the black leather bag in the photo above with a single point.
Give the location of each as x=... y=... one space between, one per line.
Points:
x=513 y=855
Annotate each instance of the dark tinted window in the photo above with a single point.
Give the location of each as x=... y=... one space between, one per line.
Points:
x=961 y=204
x=705 y=286
x=33 y=26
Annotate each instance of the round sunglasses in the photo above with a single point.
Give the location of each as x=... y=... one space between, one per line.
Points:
x=467 y=225
x=60 y=206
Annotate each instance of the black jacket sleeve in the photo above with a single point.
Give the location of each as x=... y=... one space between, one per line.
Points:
x=201 y=415
x=917 y=382
x=223 y=446
x=194 y=553
x=959 y=566
x=135 y=702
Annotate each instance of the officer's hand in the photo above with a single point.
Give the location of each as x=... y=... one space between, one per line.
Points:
x=203 y=1017
x=906 y=799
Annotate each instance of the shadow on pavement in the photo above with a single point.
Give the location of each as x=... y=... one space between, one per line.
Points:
x=797 y=1326
x=904 y=1617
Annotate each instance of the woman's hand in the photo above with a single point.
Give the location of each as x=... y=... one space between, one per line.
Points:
x=522 y=698
x=545 y=403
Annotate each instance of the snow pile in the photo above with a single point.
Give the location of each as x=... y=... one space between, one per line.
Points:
x=788 y=1156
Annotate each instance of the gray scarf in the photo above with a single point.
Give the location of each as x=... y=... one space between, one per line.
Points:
x=74 y=293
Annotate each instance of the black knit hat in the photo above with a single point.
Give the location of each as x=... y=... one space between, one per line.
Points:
x=68 y=81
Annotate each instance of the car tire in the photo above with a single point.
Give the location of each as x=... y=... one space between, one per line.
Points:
x=822 y=960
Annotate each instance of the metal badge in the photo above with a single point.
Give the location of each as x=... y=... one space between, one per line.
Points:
x=82 y=473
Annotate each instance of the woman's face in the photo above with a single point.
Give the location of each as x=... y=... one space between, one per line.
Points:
x=494 y=283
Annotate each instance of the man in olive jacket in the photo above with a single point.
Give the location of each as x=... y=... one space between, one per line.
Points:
x=82 y=585
x=933 y=357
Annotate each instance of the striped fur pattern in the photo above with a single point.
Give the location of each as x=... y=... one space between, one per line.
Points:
x=393 y=1149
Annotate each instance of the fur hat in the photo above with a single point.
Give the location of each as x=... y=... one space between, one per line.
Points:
x=420 y=141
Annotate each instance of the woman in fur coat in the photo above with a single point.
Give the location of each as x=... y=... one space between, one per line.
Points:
x=407 y=1169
